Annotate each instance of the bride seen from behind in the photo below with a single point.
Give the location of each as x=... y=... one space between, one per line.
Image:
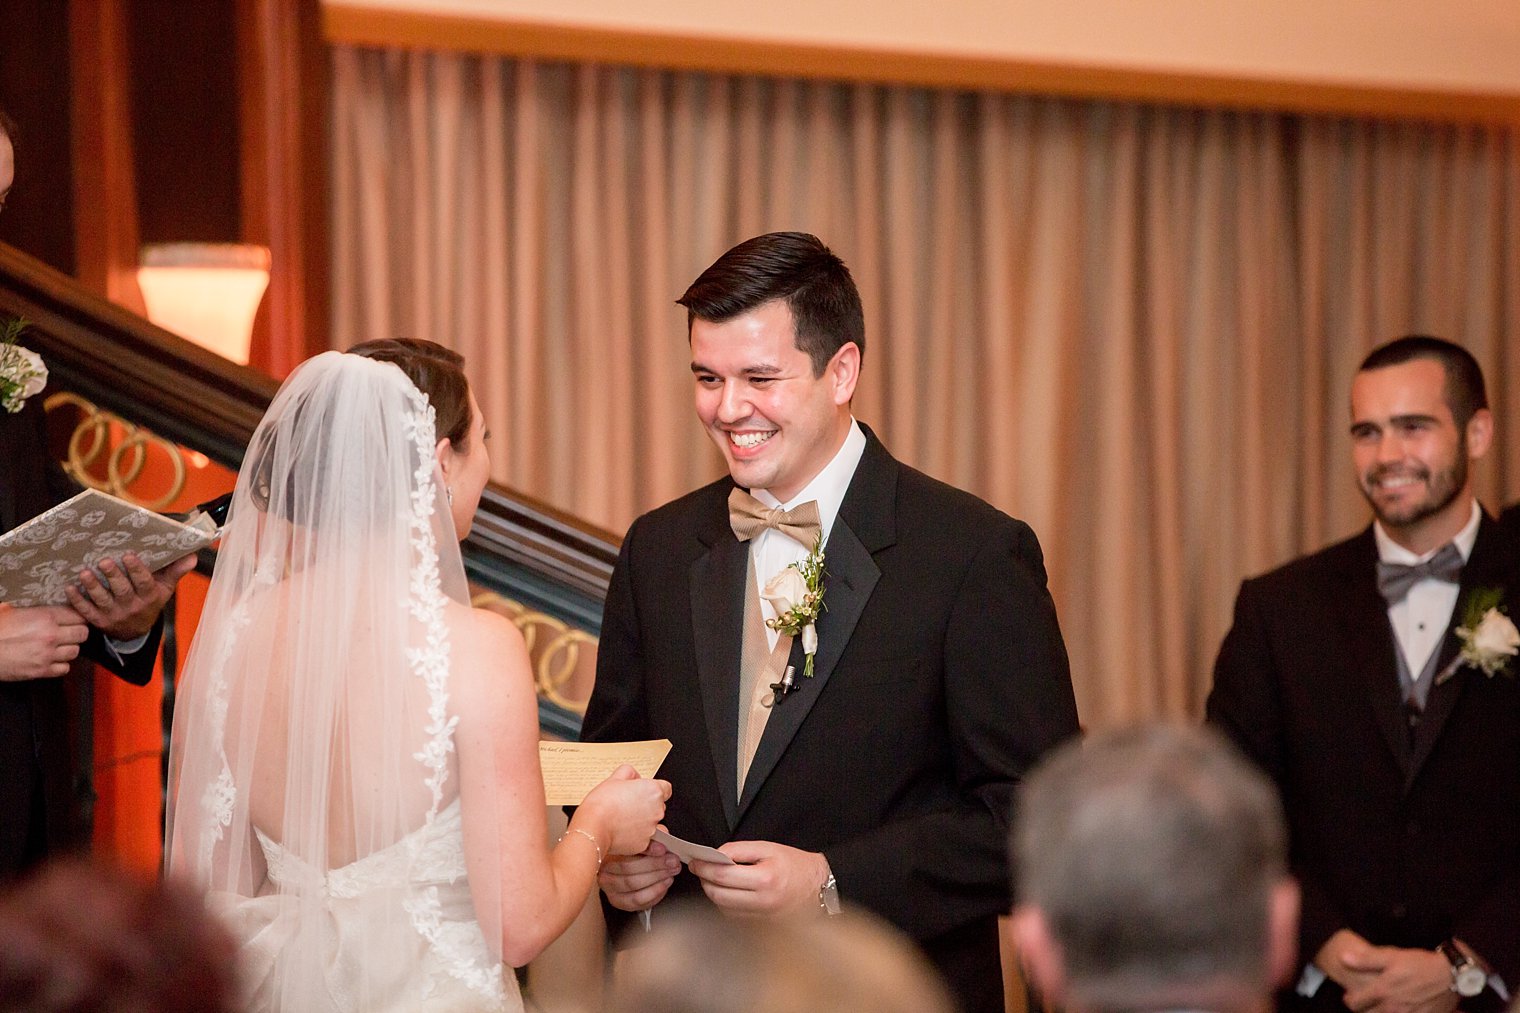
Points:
x=354 y=775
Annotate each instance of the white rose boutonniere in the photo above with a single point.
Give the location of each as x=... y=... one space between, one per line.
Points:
x=1489 y=637
x=22 y=373
x=796 y=593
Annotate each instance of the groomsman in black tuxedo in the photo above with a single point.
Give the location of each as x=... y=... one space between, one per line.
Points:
x=1509 y=522
x=112 y=621
x=1394 y=735
x=870 y=759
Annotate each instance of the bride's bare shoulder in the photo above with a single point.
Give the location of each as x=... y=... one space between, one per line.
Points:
x=488 y=652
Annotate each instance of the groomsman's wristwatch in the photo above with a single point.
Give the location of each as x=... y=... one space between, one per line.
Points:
x=828 y=895
x=1468 y=978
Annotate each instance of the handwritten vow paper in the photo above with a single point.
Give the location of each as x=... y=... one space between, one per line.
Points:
x=571 y=769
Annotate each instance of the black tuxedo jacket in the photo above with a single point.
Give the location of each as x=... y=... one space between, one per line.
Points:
x=36 y=769
x=940 y=678
x=1405 y=842
x=1509 y=522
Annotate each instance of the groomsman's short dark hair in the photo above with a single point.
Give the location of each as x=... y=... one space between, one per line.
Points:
x=1465 y=392
x=792 y=266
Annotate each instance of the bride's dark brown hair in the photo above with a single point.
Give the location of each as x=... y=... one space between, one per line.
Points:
x=436 y=371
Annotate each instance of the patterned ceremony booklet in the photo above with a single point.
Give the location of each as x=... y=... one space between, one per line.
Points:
x=43 y=556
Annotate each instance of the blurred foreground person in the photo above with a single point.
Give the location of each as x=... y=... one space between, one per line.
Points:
x=699 y=961
x=78 y=937
x=1150 y=873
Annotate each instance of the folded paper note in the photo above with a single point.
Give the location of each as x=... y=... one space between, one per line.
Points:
x=571 y=769
x=46 y=554
x=686 y=851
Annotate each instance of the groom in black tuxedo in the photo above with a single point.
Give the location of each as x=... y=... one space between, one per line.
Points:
x=885 y=778
x=1398 y=763
x=113 y=622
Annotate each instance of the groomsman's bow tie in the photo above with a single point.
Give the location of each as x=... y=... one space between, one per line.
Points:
x=1395 y=579
x=748 y=517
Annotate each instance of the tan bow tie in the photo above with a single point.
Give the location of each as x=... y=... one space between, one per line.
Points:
x=748 y=517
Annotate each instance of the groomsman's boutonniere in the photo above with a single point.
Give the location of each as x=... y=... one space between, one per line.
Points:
x=796 y=593
x=22 y=373
x=1489 y=638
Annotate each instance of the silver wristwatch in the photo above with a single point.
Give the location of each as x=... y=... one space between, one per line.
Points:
x=828 y=896
x=1468 y=978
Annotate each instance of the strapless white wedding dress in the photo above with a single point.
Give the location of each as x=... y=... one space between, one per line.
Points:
x=402 y=914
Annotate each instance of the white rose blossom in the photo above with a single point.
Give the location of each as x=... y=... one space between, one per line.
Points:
x=22 y=374
x=796 y=594
x=1491 y=643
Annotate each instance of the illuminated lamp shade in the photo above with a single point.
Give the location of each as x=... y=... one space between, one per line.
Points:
x=207 y=292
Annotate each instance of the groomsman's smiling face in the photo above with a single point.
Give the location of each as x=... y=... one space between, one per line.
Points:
x=776 y=423
x=1411 y=457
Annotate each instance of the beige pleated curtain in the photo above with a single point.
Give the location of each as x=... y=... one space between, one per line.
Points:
x=1133 y=326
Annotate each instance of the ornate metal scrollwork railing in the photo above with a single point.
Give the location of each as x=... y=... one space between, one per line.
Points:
x=125 y=447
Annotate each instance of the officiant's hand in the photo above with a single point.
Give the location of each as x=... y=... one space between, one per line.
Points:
x=126 y=604
x=769 y=878
x=38 y=643
x=639 y=882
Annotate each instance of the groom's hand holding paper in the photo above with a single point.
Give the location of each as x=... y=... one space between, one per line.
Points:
x=764 y=878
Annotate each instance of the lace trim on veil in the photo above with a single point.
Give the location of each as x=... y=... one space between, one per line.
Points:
x=426 y=602
x=460 y=952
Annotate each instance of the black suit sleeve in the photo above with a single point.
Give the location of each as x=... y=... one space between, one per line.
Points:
x=1245 y=705
x=137 y=667
x=1008 y=699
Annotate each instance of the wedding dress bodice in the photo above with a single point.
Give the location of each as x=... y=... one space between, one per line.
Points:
x=406 y=907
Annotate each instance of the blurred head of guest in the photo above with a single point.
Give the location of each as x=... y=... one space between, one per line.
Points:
x=699 y=961
x=1150 y=873
x=79 y=936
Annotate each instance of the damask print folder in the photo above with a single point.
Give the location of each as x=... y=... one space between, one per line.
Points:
x=46 y=554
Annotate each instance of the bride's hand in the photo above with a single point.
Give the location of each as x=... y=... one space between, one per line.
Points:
x=628 y=808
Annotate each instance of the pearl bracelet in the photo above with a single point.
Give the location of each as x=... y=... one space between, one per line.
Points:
x=594 y=844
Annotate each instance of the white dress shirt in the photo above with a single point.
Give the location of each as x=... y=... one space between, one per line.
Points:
x=1420 y=620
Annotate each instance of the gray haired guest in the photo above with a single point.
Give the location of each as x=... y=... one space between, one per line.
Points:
x=1150 y=873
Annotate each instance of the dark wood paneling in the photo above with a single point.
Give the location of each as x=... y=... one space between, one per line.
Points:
x=184 y=101
x=34 y=90
x=283 y=86
x=105 y=192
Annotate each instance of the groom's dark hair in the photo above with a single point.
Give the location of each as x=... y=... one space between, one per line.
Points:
x=799 y=270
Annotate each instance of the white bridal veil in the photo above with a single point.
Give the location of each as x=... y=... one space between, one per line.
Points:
x=313 y=789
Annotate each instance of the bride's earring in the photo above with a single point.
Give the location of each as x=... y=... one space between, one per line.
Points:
x=448 y=491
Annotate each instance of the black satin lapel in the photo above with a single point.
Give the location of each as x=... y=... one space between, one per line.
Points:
x=1484 y=569
x=850 y=575
x=717 y=625
x=1371 y=645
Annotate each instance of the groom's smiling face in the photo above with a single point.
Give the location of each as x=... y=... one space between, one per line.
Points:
x=776 y=423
